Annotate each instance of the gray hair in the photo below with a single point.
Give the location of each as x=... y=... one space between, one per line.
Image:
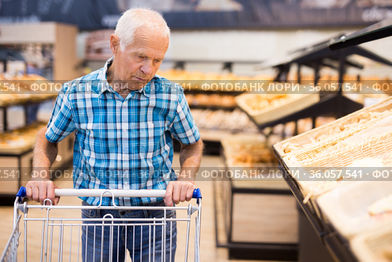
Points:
x=136 y=18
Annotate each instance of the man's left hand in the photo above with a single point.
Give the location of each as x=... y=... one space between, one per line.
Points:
x=178 y=191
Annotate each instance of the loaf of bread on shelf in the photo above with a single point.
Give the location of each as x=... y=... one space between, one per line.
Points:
x=20 y=138
x=223 y=120
x=264 y=108
x=24 y=88
x=381 y=206
x=247 y=151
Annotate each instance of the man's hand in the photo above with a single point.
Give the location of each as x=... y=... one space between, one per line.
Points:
x=178 y=191
x=182 y=189
x=42 y=189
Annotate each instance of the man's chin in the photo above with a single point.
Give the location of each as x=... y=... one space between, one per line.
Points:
x=136 y=84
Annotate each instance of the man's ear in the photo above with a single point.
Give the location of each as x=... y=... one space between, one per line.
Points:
x=114 y=43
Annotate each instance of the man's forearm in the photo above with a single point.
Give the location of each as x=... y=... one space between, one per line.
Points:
x=44 y=155
x=190 y=157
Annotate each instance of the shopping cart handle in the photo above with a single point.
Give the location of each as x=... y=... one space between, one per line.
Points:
x=196 y=193
x=114 y=193
x=21 y=192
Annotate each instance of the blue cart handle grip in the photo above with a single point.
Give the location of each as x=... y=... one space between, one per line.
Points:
x=197 y=193
x=21 y=192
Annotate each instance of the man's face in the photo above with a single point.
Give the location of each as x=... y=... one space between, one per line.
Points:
x=140 y=60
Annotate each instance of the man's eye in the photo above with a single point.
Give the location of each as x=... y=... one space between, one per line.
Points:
x=157 y=61
x=142 y=57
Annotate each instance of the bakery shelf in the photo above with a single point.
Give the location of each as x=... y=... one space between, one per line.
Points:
x=337 y=245
x=22 y=102
x=374 y=245
x=329 y=105
x=302 y=151
x=213 y=107
x=27 y=100
x=273 y=234
x=352 y=216
x=270 y=246
x=275 y=107
x=316 y=57
x=19 y=141
x=16 y=158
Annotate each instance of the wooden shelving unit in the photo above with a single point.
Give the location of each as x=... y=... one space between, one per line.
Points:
x=16 y=165
x=61 y=36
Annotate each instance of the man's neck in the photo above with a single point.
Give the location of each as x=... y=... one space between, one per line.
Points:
x=117 y=85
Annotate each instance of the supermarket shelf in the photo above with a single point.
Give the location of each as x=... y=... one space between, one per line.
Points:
x=251 y=250
x=370 y=33
x=23 y=102
x=213 y=107
x=218 y=135
x=278 y=186
x=214 y=135
x=18 y=165
x=329 y=105
x=334 y=242
x=15 y=151
x=27 y=100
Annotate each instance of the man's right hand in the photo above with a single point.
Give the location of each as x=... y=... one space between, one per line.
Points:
x=42 y=189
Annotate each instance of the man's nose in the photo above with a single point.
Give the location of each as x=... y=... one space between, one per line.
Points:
x=146 y=68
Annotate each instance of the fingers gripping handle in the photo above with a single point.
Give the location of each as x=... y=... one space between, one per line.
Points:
x=109 y=193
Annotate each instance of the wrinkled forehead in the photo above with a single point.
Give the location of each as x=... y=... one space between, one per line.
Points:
x=150 y=38
x=152 y=30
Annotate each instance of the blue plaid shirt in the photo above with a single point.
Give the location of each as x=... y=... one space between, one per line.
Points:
x=122 y=143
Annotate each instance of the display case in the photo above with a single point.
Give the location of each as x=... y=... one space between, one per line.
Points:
x=354 y=147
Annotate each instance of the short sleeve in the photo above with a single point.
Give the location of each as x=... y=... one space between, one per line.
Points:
x=184 y=128
x=61 y=123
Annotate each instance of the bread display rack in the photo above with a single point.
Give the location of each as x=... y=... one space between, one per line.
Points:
x=349 y=145
x=21 y=91
x=330 y=102
x=333 y=246
x=272 y=232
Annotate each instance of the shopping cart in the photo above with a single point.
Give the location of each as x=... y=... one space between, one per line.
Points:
x=56 y=233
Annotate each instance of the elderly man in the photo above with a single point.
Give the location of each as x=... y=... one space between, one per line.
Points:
x=124 y=117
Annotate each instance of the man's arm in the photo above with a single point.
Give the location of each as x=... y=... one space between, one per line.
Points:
x=40 y=187
x=182 y=189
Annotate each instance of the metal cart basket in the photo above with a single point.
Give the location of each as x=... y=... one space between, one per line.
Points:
x=54 y=233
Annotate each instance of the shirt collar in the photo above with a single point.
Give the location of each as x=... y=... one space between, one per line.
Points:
x=106 y=86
